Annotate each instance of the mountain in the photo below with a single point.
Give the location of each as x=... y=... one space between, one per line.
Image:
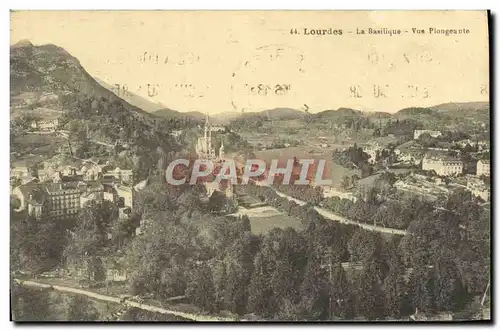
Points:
x=132 y=98
x=416 y=111
x=278 y=114
x=339 y=114
x=22 y=43
x=50 y=71
x=47 y=77
x=196 y=115
x=168 y=113
x=463 y=106
x=225 y=117
x=447 y=113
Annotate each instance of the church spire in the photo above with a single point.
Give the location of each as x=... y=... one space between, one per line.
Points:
x=221 y=149
x=206 y=128
x=210 y=153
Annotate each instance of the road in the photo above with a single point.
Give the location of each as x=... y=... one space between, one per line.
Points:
x=335 y=217
x=130 y=303
x=65 y=134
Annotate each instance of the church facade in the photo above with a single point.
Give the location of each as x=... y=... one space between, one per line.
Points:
x=205 y=151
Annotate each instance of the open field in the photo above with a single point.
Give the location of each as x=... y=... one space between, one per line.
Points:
x=266 y=218
x=264 y=224
x=35 y=147
x=333 y=171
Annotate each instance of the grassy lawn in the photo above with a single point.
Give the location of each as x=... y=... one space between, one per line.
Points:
x=338 y=172
x=265 y=224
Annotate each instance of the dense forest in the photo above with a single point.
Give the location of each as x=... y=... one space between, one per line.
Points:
x=220 y=265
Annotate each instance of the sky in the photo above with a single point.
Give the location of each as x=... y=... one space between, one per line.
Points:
x=224 y=61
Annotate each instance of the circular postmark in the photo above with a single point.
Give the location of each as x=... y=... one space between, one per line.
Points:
x=271 y=77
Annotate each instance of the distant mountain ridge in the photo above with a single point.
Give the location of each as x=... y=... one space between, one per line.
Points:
x=132 y=98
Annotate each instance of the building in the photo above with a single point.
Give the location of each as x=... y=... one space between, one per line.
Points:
x=204 y=148
x=432 y=133
x=88 y=197
x=20 y=172
x=48 y=125
x=125 y=195
x=37 y=203
x=478 y=188
x=373 y=150
x=217 y=128
x=116 y=271
x=443 y=165
x=411 y=157
x=64 y=198
x=123 y=175
x=410 y=153
x=483 y=168
x=58 y=200
x=142 y=226
x=22 y=192
x=176 y=133
x=422 y=186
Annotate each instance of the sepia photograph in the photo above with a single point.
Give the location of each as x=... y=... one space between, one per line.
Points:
x=250 y=166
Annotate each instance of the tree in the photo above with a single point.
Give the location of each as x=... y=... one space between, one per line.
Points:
x=219 y=275
x=369 y=295
x=82 y=310
x=36 y=244
x=364 y=245
x=217 y=201
x=281 y=282
x=259 y=290
x=315 y=288
x=346 y=184
x=200 y=288
x=90 y=235
x=354 y=180
x=340 y=303
x=422 y=288
x=29 y=304
x=395 y=289
x=449 y=291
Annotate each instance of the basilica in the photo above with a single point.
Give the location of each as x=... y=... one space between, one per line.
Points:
x=206 y=151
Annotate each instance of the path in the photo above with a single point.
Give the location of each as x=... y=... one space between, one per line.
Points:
x=128 y=302
x=335 y=217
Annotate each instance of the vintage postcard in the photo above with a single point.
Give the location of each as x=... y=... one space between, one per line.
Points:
x=250 y=166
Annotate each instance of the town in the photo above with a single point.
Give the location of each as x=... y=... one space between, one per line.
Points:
x=215 y=176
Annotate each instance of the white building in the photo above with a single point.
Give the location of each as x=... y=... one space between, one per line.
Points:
x=124 y=175
x=204 y=148
x=483 y=168
x=372 y=150
x=45 y=125
x=442 y=165
x=21 y=172
x=432 y=133
x=90 y=196
x=125 y=194
x=217 y=128
x=478 y=188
